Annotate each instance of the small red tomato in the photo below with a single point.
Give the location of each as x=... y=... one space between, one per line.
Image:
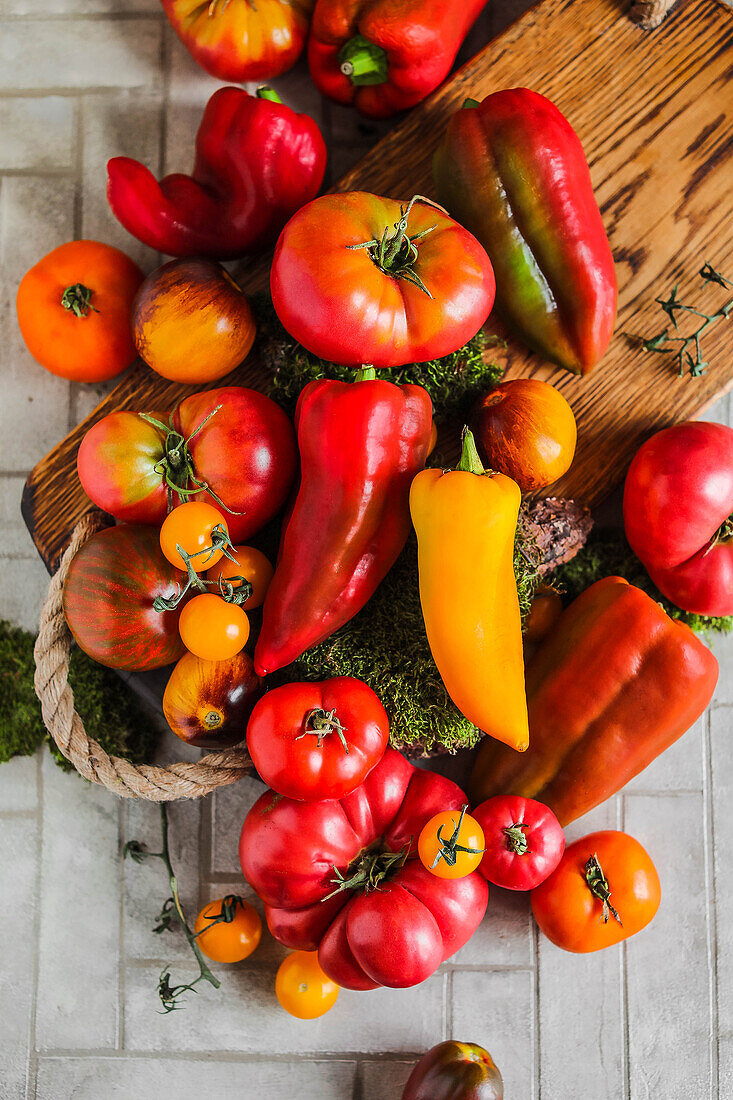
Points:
x=523 y=839
x=212 y=628
x=191 y=526
x=313 y=741
x=451 y=844
x=302 y=988
x=228 y=929
x=250 y=565
x=455 y=1071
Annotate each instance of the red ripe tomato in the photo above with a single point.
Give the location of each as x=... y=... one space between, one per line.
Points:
x=354 y=304
x=245 y=453
x=317 y=740
x=678 y=514
x=108 y=600
x=523 y=841
x=311 y=863
x=455 y=1071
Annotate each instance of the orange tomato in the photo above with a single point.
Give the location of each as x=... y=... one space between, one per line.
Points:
x=604 y=890
x=451 y=845
x=232 y=938
x=526 y=429
x=191 y=322
x=74 y=310
x=250 y=564
x=212 y=628
x=302 y=988
x=191 y=527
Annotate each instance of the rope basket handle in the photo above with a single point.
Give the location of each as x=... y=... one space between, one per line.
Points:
x=158 y=784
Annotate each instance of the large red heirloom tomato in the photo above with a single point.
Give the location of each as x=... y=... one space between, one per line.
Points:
x=359 y=279
x=108 y=600
x=678 y=514
x=317 y=866
x=233 y=441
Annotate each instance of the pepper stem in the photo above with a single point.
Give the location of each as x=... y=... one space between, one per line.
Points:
x=78 y=300
x=363 y=62
x=470 y=103
x=516 y=841
x=268 y=93
x=599 y=888
x=365 y=373
x=470 y=459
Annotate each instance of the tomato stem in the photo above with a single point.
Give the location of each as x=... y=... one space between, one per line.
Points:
x=170 y=995
x=77 y=299
x=395 y=254
x=450 y=848
x=233 y=593
x=598 y=886
x=516 y=841
x=322 y=722
x=366 y=871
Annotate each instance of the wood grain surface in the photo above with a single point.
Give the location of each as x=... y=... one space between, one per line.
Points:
x=654 y=112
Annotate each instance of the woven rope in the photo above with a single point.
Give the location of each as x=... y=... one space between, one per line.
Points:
x=184 y=780
x=650 y=13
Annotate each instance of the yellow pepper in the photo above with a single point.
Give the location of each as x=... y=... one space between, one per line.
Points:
x=466 y=520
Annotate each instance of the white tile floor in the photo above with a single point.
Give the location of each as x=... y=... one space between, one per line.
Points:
x=81 y=80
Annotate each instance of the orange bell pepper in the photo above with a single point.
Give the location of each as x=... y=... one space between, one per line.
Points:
x=613 y=686
x=466 y=520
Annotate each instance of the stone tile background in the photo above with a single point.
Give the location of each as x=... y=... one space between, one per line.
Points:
x=81 y=80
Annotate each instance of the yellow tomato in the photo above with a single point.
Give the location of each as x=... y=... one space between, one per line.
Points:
x=228 y=940
x=212 y=628
x=302 y=988
x=451 y=845
x=250 y=564
x=191 y=526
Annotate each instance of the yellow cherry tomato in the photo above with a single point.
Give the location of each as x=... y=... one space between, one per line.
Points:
x=190 y=526
x=212 y=628
x=302 y=988
x=250 y=564
x=228 y=929
x=451 y=845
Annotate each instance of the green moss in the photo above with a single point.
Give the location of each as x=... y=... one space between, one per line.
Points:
x=453 y=382
x=608 y=554
x=108 y=708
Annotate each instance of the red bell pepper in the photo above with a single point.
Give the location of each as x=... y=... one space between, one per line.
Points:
x=384 y=56
x=361 y=443
x=257 y=162
x=512 y=170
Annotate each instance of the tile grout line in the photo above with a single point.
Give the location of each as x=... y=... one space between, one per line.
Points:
x=711 y=903
x=624 y=980
x=32 y=1063
x=121 y=835
x=536 y=1046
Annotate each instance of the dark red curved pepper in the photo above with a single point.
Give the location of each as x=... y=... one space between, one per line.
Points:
x=257 y=162
x=361 y=443
x=513 y=171
x=384 y=56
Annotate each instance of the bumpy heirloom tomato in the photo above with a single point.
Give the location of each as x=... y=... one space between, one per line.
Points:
x=455 y=1071
x=353 y=289
x=191 y=322
x=604 y=890
x=242 y=40
x=678 y=514
x=108 y=600
x=207 y=703
x=317 y=740
x=74 y=310
x=228 y=929
x=523 y=841
x=302 y=988
x=311 y=863
x=526 y=429
x=233 y=441
x=451 y=844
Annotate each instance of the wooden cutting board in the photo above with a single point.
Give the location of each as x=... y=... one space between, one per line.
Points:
x=654 y=111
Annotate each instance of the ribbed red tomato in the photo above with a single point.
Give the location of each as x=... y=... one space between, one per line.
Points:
x=523 y=841
x=310 y=741
x=311 y=863
x=361 y=279
x=108 y=600
x=243 y=451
